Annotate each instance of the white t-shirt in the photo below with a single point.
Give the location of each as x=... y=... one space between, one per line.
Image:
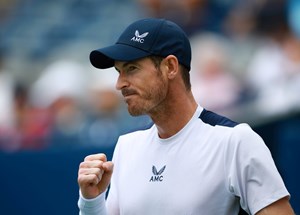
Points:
x=212 y=166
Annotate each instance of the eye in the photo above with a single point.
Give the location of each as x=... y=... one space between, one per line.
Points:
x=131 y=69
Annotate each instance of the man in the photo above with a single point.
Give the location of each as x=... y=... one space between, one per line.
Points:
x=191 y=161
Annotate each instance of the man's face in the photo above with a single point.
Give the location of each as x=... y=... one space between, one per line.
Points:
x=143 y=86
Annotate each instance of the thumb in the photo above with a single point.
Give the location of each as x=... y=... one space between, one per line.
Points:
x=106 y=177
x=108 y=166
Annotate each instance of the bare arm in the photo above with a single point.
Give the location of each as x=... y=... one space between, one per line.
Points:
x=280 y=207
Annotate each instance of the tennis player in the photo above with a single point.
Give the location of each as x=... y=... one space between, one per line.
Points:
x=191 y=161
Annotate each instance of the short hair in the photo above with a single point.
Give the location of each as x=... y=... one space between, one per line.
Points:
x=185 y=74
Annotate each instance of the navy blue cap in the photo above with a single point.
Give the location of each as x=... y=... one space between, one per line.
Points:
x=143 y=38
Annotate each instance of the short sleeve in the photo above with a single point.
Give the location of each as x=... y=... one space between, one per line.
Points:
x=252 y=174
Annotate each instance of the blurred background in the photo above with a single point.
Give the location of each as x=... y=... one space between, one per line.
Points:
x=55 y=108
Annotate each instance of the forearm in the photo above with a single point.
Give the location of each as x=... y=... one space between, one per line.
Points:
x=94 y=206
x=280 y=207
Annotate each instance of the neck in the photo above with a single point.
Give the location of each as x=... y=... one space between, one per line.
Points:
x=174 y=114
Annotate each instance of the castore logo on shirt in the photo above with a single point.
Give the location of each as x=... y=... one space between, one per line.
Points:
x=157 y=174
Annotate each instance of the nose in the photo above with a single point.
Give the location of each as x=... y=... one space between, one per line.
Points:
x=122 y=82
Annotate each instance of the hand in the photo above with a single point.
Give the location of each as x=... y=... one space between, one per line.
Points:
x=94 y=175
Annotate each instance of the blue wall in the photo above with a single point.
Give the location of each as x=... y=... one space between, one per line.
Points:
x=283 y=139
x=41 y=183
x=45 y=182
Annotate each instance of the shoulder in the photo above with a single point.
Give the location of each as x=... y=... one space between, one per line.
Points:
x=137 y=137
x=214 y=119
x=237 y=130
x=217 y=126
x=246 y=137
x=235 y=136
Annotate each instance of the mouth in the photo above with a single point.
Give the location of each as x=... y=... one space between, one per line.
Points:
x=127 y=93
x=128 y=98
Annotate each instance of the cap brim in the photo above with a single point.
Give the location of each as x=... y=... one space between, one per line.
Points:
x=105 y=58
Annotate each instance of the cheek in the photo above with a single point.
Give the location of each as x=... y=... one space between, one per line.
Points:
x=152 y=86
x=157 y=90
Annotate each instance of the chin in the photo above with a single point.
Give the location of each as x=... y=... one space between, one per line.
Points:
x=135 y=110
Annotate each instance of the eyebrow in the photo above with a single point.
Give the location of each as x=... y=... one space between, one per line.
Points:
x=125 y=64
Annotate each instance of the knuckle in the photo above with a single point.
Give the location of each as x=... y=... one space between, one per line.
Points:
x=99 y=172
x=81 y=179
x=100 y=156
x=99 y=164
x=95 y=179
x=81 y=171
x=103 y=156
x=87 y=158
x=96 y=164
x=82 y=164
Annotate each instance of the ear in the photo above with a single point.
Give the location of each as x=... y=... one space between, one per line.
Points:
x=171 y=65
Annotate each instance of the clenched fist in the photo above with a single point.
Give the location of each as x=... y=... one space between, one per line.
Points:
x=94 y=175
